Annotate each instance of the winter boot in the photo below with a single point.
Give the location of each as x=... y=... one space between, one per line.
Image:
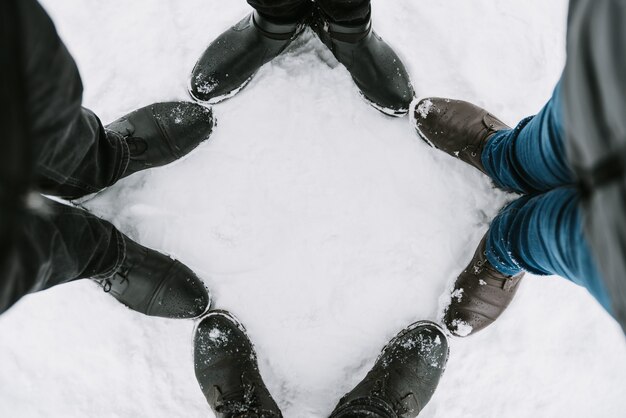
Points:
x=231 y=60
x=480 y=295
x=459 y=128
x=404 y=377
x=156 y=285
x=161 y=133
x=227 y=371
x=376 y=69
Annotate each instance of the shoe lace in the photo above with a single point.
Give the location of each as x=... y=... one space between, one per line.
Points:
x=121 y=276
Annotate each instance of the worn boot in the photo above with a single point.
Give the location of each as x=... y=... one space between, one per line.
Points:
x=161 y=133
x=480 y=295
x=227 y=371
x=231 y=60
x=403 y=378
x=376 y=69
x=459 y=128
x=153 y=284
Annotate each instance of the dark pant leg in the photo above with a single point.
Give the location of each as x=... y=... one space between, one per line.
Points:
x=543 y=234
x=73 y=156
x=286 y=11
x=346 y=11
x=59 y=244
x=531 y=158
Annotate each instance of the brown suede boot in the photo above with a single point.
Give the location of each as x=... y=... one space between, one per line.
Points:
x=459 y=128
x=480 y=295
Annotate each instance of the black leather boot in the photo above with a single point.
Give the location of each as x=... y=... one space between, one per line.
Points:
x=376 y=69
x=480 y=295
x=403 y=378
x=161 y=133
x=152 y=283
x=227 y=371
x=236 y=55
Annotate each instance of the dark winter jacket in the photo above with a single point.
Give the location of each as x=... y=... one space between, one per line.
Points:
x=15 y=172
x=594 y=96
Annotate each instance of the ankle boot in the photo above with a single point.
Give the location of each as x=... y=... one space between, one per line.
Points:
x=231 y=60
x=153 y=284
x=481 y=294
x=403 y=378
x=161 y=133
x=376 y=69
x=227 y=370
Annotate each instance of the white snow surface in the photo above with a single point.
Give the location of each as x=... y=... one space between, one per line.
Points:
x=325 y=226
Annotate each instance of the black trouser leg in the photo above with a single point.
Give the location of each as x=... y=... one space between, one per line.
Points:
x=351 y=12
x=72 y=156
x=282 y=11
x=72 y=153
x=57 y=245
x=340 y=11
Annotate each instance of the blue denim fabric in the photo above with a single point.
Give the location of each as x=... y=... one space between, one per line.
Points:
x=542 y=232
x=531 y=157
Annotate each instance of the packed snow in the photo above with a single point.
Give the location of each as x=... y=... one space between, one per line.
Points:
x=325 y=226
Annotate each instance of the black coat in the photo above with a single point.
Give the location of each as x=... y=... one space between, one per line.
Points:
x=15 y=161
x=594 y=96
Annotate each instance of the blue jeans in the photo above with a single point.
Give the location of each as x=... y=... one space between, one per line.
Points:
x=542 y=232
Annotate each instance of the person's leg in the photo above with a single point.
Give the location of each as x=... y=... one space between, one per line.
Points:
x=531 y=157
x=58 y=244
x=281 y=11
x=541 y=234
x=544 y=235
x=74 y=153
x=349 y=12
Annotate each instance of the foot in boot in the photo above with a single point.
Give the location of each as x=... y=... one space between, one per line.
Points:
x=237 y=54
x=154 y=284
x=404 y=377
x=161 y=133
x=376 y=69
x=459 y=128
x=480 y=295
x=227 y=370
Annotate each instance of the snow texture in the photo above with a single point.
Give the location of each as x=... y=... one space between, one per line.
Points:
x=325 y=226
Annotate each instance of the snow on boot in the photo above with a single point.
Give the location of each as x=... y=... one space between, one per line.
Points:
x=236 y=55
x=376 y=69
x=480 y=295
x=458 y=128
x=161 y=133
x=227 y=370
x=152 y=283
x=403 y=378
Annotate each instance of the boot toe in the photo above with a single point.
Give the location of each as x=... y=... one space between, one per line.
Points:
x=462 y=322
x=185 y=124
x=428 y=116
x=182 y=295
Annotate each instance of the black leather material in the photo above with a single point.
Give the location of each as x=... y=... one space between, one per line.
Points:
x=237 y=54
x=161 y=133
x=227 y=370
x=403 y=378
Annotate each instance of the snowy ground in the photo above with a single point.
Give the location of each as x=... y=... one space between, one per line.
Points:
x=324 y=225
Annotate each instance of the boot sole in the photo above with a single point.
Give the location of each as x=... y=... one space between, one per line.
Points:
x=385 y=110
